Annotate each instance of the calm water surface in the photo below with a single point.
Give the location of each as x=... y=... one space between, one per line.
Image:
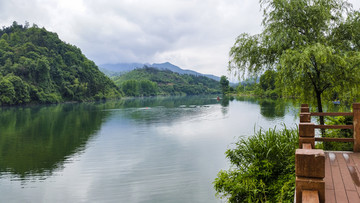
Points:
x=142 y=150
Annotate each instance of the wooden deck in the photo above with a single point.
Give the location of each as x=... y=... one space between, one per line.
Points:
x=342 y=183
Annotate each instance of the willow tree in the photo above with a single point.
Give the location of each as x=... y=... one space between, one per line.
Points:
x=312 y=44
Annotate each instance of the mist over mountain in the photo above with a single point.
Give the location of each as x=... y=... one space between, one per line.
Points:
x=121 y=68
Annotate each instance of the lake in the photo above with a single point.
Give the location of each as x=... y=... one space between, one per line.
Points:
x=163 y=149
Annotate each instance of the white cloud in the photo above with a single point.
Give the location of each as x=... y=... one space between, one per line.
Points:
x=193 y=34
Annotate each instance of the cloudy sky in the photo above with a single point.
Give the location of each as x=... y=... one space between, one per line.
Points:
x=192 y=34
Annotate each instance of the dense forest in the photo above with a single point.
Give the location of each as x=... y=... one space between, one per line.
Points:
x=150 y=81
x=37 y=67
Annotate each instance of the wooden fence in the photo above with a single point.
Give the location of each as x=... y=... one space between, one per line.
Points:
x=310 y=162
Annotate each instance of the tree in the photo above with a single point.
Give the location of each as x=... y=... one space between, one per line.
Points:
x=267 y=80
x=302 y=39
x=224 y=83
x=130 y=88
x=7 y=92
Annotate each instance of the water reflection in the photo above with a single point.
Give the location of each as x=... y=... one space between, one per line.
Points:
x=156 y=109
x=272 y=108
x=168 y=102
x=164 y=149
x=36 y=140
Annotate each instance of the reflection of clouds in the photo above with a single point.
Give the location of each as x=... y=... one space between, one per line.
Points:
x=193 y=127
x=160 y=115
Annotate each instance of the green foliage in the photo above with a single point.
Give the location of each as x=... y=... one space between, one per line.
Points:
x=139 y=88
x=7 y=92
x=249 y=87
x=267 y=80
x=338 y=133
x=314 y=49
x=21 y=89
x=37 y=67
x=150 y=81
x=224 y=83
x=147 y=88
x=263 y=168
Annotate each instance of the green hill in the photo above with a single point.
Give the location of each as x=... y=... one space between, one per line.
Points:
x=37 y=67
x=150 y=81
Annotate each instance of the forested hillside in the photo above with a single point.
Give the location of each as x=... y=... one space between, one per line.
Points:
x=150 y=81
x=37 y=67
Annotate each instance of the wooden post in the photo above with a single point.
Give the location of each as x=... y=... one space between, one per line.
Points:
x=310 y=163
x=356 y=123
x=306 y=134
x=304 y=108
x=314 y=184
x=305 y=117
x=304 y=105
x=310 y=172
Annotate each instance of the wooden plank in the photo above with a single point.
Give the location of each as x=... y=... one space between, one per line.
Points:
x=330 y=196
x=356 y=160
x=328 y=177
x=333 y=139
x=345 y=174
x=306 y=146
x=310 y=196
x=334 y=126
x=332 y=158
x=348 y=159
x=340 y=193
x=332 y=114
x=352 y=196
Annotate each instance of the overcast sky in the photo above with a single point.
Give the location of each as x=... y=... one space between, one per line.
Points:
x=192 y=34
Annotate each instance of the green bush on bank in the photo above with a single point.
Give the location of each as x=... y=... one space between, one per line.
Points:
x=262 y=168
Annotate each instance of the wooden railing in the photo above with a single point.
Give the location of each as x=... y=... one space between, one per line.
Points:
x=307 y=129
x=310 y=162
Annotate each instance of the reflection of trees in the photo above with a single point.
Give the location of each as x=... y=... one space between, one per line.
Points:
x=36 y=140
x=225 y=101
x=252 y=100
x=269 y=108
x=272 y=108
x=225 y=104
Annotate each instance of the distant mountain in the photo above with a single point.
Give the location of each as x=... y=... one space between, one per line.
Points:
x=153 y=81
x=120 y=68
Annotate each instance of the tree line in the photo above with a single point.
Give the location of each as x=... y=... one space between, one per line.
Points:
x=151 y=81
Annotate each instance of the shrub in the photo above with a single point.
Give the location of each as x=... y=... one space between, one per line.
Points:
x=262 y=168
